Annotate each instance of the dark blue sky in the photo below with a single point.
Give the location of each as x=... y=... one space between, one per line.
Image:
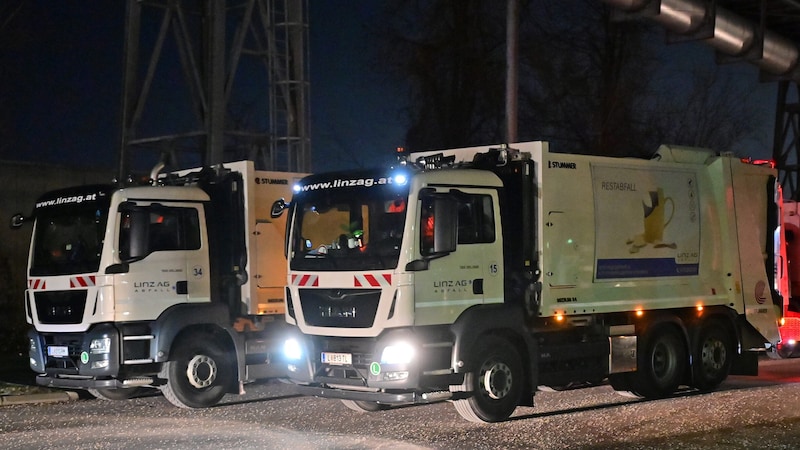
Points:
x=61 y=82
x=61 y=72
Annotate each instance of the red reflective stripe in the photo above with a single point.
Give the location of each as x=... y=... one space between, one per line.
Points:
x=305 y=280
x=371 y=280
x=82 y=281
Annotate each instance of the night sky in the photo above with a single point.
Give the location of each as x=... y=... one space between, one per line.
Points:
x=61 y=74
x=61 y=83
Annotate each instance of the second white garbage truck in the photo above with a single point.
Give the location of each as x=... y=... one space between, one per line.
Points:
x=479 y=275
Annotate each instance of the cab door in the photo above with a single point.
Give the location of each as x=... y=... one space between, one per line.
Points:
x=471 y=274
x=168 y=264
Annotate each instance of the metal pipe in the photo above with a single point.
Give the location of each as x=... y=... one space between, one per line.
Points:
x=780 y=54
x=681 y=16
x=732 y=34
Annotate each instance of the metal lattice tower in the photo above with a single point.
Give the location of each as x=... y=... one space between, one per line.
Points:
x=212 y=81
x=787 y=138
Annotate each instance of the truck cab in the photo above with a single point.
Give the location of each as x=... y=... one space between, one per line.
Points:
x=170 y=286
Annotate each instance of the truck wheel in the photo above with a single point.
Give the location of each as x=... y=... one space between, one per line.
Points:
x=362 y=406
x=713 y=356
x=115 y=394
x=198 y=374
x=496 y=385
x=661 y=363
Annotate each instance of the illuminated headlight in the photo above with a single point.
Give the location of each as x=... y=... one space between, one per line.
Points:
x=297 y=188
x=102 y=345
x=400 y=179
x=400 y=353
x=292 y=349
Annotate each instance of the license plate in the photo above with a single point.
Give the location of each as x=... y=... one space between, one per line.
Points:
x=338 y=359
x=57 y=350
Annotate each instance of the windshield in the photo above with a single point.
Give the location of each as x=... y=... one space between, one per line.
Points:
x=348 y=229
x=68 y=239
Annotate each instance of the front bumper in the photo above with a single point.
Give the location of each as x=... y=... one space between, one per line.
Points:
x=366 y=369
x=82 y=356
x=90 y=383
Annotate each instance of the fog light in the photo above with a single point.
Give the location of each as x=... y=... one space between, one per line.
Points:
x=102 y=364
x=395 y=376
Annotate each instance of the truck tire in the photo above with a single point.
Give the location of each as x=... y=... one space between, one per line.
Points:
x=496 y=384
x=661 y=363
x=713 y=355
x=362 y=406
x=198 y=373
x=114 y=394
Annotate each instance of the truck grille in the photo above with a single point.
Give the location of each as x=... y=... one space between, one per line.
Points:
x=60 y=307
x=344 y=308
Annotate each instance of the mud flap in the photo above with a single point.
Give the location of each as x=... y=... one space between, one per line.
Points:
x=745 y=364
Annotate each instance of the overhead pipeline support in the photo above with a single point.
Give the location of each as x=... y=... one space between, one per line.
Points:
x=732 y=35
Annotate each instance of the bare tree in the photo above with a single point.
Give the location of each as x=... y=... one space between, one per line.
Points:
x=588 y=84
x=451 y=55
x=713 y=110
x=586 y=76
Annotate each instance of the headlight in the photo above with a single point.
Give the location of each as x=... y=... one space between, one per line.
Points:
x=102 y=345
x=292 y=349
x=399 y=353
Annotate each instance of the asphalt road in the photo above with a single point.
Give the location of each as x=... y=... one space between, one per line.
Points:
x=745 y=413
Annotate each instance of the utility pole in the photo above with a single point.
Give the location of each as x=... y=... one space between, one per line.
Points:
x=512 y=71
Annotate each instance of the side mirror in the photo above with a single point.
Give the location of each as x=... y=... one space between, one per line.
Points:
x=446 y=225
x=134 y=234
x=277 y=208
x=439 y=224
x=18 y=220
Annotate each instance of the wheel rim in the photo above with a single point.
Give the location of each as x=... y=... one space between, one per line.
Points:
x=201 y=371
x=496 y=380
x=713 y=355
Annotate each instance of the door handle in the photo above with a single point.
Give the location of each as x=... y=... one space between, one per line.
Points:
x=477 y=286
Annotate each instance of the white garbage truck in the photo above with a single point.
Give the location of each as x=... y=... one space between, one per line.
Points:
x=480 y=275
x=177 y=285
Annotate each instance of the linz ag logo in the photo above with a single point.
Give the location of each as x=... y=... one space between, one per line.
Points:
x=561 y=165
